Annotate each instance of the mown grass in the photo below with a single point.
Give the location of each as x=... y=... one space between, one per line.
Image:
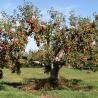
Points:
x=87 y=79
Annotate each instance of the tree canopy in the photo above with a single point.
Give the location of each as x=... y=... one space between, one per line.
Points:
x=75 y=46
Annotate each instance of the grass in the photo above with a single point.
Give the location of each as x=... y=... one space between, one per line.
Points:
x=87 y=79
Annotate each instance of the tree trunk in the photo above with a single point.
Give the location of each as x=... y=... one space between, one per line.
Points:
x=1 y=73
x=55 y=67
x=54 y=74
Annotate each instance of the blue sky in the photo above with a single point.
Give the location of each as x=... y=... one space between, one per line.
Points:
x=81 y=7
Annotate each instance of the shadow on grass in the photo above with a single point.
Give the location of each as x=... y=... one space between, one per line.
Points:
x=2 y=87
x=33 y=84
x=73 y=84
x=13 y=84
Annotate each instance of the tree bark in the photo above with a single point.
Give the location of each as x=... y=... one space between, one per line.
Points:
x=1 y=73
x=54 y=75
x=55 y=67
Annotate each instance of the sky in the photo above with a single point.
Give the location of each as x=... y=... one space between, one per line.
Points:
x=81 y=7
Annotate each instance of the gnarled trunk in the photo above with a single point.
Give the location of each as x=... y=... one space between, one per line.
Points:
x=55 y=67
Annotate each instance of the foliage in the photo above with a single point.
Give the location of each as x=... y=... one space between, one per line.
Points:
x=60 y=45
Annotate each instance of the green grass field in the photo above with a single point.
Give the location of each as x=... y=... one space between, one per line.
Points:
x=87 y=79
